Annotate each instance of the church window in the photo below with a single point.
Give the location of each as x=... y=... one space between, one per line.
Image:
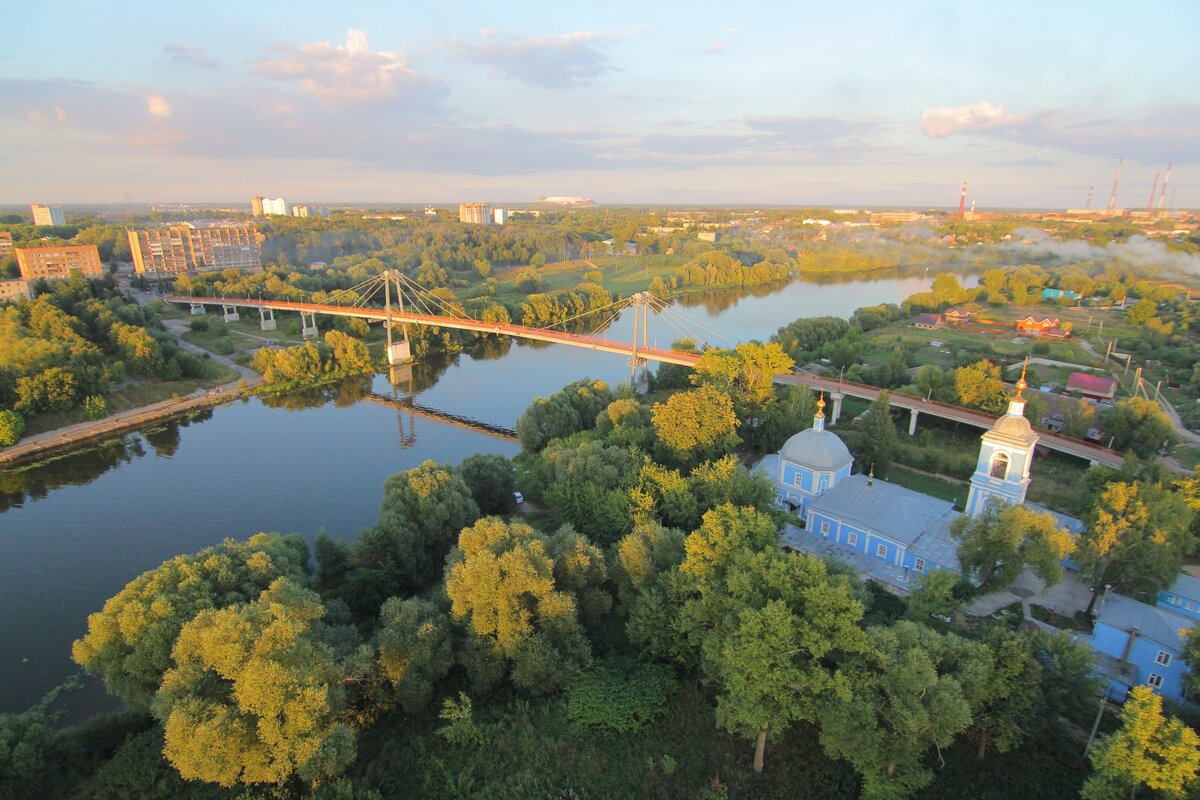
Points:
x=852 y=539
x=824 y=483
x=824 y=528
x=881 y=550
x=919 y=565
x=999 y=467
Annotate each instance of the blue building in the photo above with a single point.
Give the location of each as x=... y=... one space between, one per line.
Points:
x=1146 y=644
x=892 y=534
x=808 y=465
x=1183 y=597
x=1054 y=294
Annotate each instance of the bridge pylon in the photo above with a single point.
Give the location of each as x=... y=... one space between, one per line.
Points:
x=397 y=352
x=640 y=303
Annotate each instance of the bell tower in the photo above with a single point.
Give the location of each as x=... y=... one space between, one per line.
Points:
x=1005 y=456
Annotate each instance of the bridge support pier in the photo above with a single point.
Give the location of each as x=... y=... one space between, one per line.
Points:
x=230 y=313
x=308 y=325
x=912 y=422
x=837 y=407
x=399 y=353
x=197 y=309
x=266 y=319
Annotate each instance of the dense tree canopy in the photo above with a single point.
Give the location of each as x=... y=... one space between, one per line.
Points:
x=995 y=546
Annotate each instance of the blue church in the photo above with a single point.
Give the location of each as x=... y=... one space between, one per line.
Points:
x=891 y=533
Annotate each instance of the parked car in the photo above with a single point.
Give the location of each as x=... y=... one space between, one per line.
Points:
x=518 y=498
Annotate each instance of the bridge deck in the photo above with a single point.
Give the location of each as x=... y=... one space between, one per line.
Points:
x=1052 y=441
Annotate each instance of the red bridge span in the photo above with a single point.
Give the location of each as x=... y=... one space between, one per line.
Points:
x=837 y=389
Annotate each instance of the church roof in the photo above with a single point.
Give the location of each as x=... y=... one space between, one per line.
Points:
x=817 y=449
x=893 y=511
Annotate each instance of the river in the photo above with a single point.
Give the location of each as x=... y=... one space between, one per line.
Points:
x=76 y=529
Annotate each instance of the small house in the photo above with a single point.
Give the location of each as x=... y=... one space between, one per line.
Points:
x=1147 y=642
x=1037 y=324
x=1093 y=387
x=1056 y=294
x=1183 y=597
x=957 y=316
x=928 y=321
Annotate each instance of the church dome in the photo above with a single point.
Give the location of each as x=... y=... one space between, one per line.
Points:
x=816 y=449
x=1010 y=425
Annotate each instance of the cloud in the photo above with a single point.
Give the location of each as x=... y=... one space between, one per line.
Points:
x=548 y=62
x=182 y=54
x=349 y=74
x=157 y=106
x=715 y=48
x=56 y=117
x=939 y=122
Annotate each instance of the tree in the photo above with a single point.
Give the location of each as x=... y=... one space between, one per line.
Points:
x=1078 y=417
x=129 y=642
x=1136 y=536
x=1142 y=312
x=1191 y=657
x=1150 y=750
x=256 y=694
x=12 y=426
x=911 y=692
x=934 y=595
x=792 y=411
x=934 y=383
x=1007 y=703
x=490 y=479
x=696 y=424
x=995 y=546
x=422 y=512
x=52 y=389
x=24 y=743
x=415 y=649
x=878 y=442
x=626 y=423
x=766 y=624
x=1070 y=683
x=746 y=373
x=642 y=556
x=347 y=354
x=573 y=408
x=1139 y=425
x=501 y=582
x=979 y=386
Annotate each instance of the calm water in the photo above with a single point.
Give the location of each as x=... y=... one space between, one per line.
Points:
x=77 y=529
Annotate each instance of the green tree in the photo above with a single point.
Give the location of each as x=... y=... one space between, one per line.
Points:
x=933 y=383
x=697 y=424
x=642 y=557
x=490 y=479
x=979 y=386
x=626 y=423
x=1070 y=684
x=746 y=374
x=792 y=411
x=137 y=348
x=256 y=693
x=52 y=389
x=1139 y=425
x=1135 y=539
x=911 y=693
x=996 y=546
x=422 y=512
x=1007 y=704
x=1142 y=312
x=877 y=445
x=415 y=646
x=1150 y=750
x=129 y=642
x=348 y=355
x=12 y=426
x=501 y=581
x=934 y=595
x=25 y=741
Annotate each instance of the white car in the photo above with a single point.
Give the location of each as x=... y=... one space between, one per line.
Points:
x=518 y=498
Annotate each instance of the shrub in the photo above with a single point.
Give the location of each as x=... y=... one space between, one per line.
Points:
x=12 y=425
x=94 y=407
x=619 y=696
x=199 y=324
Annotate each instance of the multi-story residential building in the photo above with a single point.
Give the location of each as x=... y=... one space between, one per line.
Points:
x=6 y=244
x=1143 y=644
x=195 y=247
x=47 y=215
x=256 y=205
x=500 y=216
x=276 y=206
x=475 y=213
x=14 y=289
x=59 y=261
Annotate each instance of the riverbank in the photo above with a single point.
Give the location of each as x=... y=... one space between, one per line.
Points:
x=45 y=444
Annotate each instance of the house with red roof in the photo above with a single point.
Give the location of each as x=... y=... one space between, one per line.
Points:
x=1093 y=387
x=928 y=321
x=957 y=316
x=1037 y=324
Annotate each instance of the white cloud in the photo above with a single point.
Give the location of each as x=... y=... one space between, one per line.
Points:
x=56 y=117
x=157 y=106
x=346 y=74
x=982 y=116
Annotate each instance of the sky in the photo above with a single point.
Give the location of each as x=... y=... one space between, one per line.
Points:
x=864 y=104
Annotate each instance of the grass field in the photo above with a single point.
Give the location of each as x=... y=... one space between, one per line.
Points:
x=928 y=484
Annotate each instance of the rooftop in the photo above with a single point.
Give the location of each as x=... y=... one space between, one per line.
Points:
x=1091 y=383
x=1186 y=586
x=869 y=566
x=1158 y=624
x=897 y=513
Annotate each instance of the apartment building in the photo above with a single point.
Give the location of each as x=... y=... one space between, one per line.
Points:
x=475 y=213
x=6 y=243
x=59 y=261
x=14 y=289
x=47 y=215
x=195 y=247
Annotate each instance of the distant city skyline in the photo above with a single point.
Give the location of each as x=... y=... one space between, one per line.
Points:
x=875 y=104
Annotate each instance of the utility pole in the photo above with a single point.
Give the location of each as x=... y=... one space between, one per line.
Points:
x=1096 y=724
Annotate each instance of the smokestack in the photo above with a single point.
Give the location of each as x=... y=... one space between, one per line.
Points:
x=1112 y=201
x=962 y=200
x=972 y=205
x=1166 y=179
x=1089 y=202
x=1153 y=188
